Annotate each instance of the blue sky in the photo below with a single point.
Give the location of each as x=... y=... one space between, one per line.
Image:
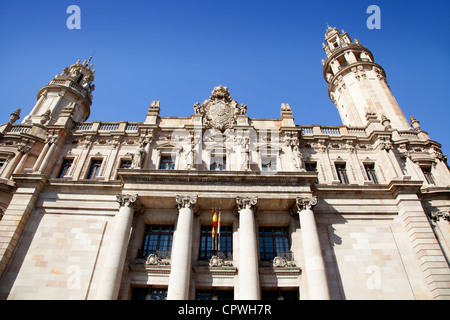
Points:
x=265 y=52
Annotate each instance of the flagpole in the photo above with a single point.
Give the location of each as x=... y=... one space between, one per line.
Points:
x=218 y=228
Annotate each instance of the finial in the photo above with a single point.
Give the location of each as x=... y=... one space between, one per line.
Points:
x=328 y=26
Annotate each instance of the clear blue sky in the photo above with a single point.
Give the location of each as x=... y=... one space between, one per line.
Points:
x=266 y=52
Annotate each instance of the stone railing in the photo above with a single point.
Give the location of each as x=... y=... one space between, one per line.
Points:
x=106 y=126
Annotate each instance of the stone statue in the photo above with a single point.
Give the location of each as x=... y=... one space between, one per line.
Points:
x=190 y=157
x=138 y=158
x=243 y=110
x=298 y=158
x=245 y=162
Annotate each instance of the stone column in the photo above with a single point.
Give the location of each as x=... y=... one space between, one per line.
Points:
x=115 y=260
x=248 y=250
x=314 y=266
x=180 y=273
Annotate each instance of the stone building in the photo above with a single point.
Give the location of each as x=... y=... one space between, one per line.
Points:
x=96 y=210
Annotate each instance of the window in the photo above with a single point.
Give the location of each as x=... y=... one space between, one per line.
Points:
x=218 y=163
x=167 y=163
x=214 y=295
x=206 y=243
x=148 y=294
x=2 y=164
x=370 y=171
x=94 y=169
x=273 y=242
x=65 y=168
x=157 y=240
x=342 y=173
x=268 y=164
x=311 y=167
x=280 y=294
x=125 y=164
x=428 y=176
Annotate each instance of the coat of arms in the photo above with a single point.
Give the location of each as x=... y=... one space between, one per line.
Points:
x=220 y=111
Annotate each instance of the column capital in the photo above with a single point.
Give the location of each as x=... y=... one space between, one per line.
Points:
x=186 y=201
x=246 y=202
x=129 y=200
x=305 y=203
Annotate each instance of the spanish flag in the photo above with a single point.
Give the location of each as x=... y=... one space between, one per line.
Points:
x=214 y=223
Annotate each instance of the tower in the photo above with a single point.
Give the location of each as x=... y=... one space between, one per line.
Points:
x=356 y=84
x=68 y=93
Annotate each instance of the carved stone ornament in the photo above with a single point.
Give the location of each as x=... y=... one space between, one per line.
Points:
x=220 y=111
x=437 y=215
x=154 y=260
x=246 y=202
x=279 y=262
x=305 y=203
x=127 y=200
x=216 y=261
x=186 y=201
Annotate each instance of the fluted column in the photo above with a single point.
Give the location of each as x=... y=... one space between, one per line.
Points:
x=115 y=260
x=248 y=250
x=181 y=264
x=314 y=266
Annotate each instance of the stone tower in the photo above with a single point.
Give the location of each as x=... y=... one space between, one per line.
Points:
x=357 y=85
x=67 y=96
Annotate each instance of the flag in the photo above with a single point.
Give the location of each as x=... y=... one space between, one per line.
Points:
x=214 y=223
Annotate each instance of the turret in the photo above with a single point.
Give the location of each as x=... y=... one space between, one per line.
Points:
x=68 y=96
x=356 y=84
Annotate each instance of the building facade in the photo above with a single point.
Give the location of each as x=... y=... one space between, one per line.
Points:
x=95 y=210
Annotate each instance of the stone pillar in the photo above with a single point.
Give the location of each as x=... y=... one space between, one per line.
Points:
x=314 y=266
x=115 y=260
x=248 y=250
x=180 y=273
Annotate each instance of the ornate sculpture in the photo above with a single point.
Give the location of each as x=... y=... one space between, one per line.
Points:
x=217 y=261
x=190 y=156
x=186 y=201
x=245 y=155
x=129 y=200
x=220 y=111
x=154 y=260
x=305 y=203
x=298 y=158
x=14 y=116
x=138 y=158
x=246 y=202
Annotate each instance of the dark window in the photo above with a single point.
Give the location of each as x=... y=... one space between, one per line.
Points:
x=125 y=164
x=370 y=171
x=148 y=294
x=157 y=240
x=273 y=242
x=65 y=168
x=285 y=294
x=207 y=250
x=218 y=164
x=167 y=163
x=214 y=295
x=428 y=176
x=94 y=169
x=311 y=167
x=342 y=173
x=2 y=163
